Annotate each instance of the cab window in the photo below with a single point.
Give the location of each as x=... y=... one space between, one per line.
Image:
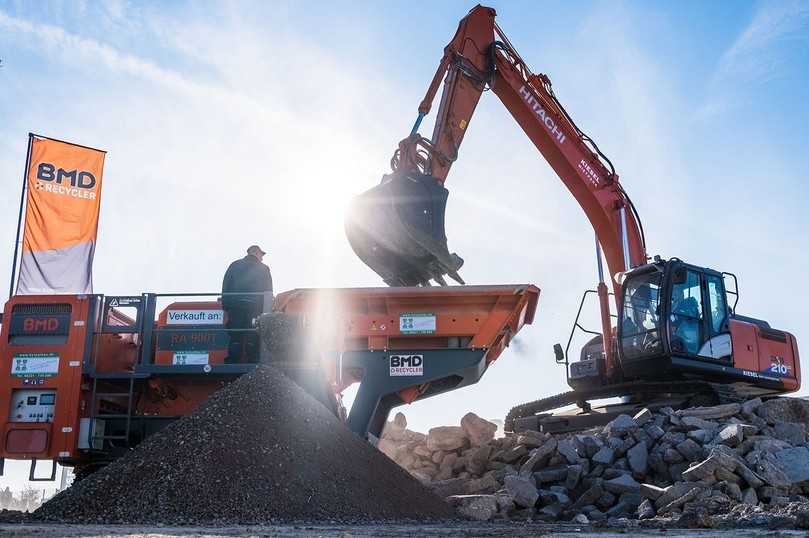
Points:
x=640 y=334
x=717 y=304
x=686 y=333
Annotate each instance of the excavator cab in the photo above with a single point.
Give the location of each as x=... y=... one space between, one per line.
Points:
x=397 y=229
x=676 y=322
x=675 y=308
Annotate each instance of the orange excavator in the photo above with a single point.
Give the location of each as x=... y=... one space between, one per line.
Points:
x=677 y=330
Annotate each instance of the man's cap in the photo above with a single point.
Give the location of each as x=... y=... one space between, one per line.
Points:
x=255 y=249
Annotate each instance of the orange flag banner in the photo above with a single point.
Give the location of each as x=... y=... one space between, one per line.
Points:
x=61 y=218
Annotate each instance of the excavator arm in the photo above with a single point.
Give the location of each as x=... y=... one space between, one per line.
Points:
x=397 y=227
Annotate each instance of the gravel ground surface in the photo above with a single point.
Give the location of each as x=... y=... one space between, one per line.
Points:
x=260 y=451
x=464 y=530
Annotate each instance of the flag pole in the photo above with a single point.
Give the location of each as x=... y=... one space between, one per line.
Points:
x=19 y=217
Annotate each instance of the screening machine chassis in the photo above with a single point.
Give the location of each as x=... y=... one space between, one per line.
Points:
x=83 y=378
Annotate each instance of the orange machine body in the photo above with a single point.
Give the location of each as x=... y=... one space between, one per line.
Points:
x=82 y=378
x=766 y=353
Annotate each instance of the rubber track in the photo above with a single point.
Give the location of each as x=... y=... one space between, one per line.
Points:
x=623 y=389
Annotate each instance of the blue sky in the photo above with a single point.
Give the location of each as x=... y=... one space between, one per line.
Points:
x=236 y=123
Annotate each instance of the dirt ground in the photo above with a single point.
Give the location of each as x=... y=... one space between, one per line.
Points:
x=464 y=530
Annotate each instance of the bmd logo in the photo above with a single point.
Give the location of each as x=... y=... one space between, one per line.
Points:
x=406 y=365
x=42 y=325
x=56 y=180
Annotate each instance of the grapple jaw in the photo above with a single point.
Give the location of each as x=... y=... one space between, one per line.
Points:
x=397 y=229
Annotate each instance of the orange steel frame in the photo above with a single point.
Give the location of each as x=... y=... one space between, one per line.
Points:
x=472 y=317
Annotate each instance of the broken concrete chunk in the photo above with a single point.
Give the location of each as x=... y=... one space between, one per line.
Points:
x=606 y=500
x=784 y=410
x=654 y=431
x=604 y=456
x=522 y=490
x=580 y=519
x=793 y=433
x=513 y=454
x=772 y=473
x=551 y=512
x=730 y=435
x=538 y=455
x=672 y=456
x=750 y=406
x=485 y=484
x=567 y=448
x=551 y=474
x=574 y=473
x=449 y=487
x=620 y=425
x=446 y=438
x=477 y=507
x=732 y=490
x=752 y=479
x=638 y=458
x=643 y=416
x=622 y=484
x=689 y=449
x=709 y=413
x=588 y=445
x=479 y=431
x=748 y=430
x=646 y=510
x=531 y=439
x=693 y=493
x=749 y=497
x=477 y=462
x=702 y=470
x=699 y=423
x=701 y=436
x=723 y=474
x=650 y=491
x=589 y=496
x=794 y=462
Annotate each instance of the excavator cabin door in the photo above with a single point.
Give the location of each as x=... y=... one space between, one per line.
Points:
x=698 y=314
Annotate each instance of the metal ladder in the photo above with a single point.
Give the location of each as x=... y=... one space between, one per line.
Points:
x=94 y=409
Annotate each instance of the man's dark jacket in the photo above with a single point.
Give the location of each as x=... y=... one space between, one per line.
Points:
x=246 y=275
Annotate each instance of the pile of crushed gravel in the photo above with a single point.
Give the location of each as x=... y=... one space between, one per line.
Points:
x=261 y=450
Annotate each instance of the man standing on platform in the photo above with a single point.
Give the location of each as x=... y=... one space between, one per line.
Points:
x=246 y=291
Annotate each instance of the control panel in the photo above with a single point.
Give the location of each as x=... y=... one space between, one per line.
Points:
x=32 y=405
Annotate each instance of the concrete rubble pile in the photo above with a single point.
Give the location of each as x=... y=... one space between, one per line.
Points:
x=260 y=450
x=745 y=459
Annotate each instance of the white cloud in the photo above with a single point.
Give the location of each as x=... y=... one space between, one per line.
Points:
x=759 y=54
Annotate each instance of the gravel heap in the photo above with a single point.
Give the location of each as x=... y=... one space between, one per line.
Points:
x=704 y=466
x=260 y=450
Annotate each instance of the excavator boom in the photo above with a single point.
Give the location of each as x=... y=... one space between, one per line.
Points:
x=397 y=227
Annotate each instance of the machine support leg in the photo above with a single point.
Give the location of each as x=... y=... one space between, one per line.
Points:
x=441 y=369
x=32 y=473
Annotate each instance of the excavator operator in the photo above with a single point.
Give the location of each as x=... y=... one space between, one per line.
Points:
x=246 y=290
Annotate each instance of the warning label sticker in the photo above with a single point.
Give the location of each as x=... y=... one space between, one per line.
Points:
x=190 y=357
x=406 y=365
x=417 y=323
